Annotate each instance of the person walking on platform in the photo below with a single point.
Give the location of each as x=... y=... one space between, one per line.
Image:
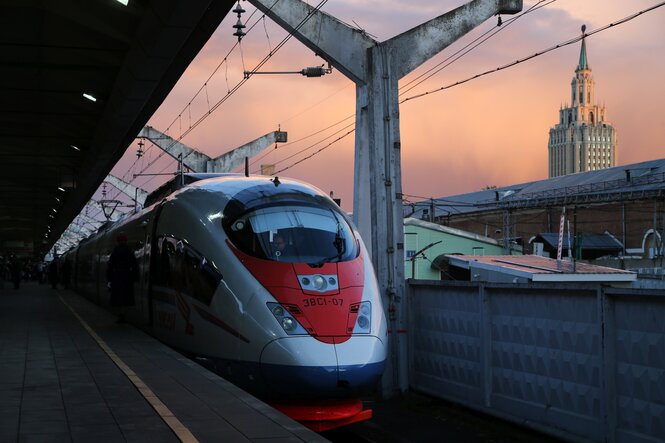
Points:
x=121 y=273
x=39 y=269
x=15 y=270
x=53 y=273
x=66 y=273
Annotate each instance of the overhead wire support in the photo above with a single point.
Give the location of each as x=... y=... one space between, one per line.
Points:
x=244 y=80
x=230 y=91
x=455 y=56
x=495 y=31
x=312 y=71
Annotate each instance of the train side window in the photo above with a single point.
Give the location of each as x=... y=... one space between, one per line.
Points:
x=210 y=277
x=165 y=260
x=201 y=276
x=186 y=270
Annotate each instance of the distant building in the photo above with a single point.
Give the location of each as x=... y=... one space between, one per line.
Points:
x=625 y=202
x=583 y=140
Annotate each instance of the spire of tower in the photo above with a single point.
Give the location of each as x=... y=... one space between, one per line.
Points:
x=583 y=60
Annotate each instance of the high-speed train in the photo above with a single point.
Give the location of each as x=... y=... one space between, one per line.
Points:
x=265 y=281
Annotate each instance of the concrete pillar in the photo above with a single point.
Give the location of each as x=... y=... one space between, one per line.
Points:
x=376 y=67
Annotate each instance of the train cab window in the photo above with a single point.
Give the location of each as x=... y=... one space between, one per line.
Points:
x=294 y=233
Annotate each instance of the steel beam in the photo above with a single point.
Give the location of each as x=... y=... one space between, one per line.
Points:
x=199 y=162
x=135 y=193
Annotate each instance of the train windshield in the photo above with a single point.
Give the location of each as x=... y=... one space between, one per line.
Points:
x=293 y=232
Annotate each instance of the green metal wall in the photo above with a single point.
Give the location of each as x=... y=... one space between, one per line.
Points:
x=417 y=237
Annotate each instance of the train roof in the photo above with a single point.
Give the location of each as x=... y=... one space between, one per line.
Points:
x=178 y=182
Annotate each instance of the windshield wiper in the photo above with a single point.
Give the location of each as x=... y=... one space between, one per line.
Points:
x=330 y=259
x=339 y=244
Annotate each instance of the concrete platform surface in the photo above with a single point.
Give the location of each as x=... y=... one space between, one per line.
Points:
x=57 y=384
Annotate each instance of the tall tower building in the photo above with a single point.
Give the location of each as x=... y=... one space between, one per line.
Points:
x=582 y=140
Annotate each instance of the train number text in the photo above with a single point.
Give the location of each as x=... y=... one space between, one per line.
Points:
x=322 y=301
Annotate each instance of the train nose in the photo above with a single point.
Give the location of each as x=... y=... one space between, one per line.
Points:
x=294 y=366
x=302 y=366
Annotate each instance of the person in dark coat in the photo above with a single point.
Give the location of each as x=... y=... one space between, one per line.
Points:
x=121 y=273
x=66 y=273
x=53 y=277
x=15 y=270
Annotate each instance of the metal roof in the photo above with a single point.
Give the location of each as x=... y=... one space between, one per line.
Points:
x=538 y=268
x=620 y=183
x=127 y=57
x=448 y=230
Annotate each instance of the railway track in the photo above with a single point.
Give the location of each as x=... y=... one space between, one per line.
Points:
x=415 y=418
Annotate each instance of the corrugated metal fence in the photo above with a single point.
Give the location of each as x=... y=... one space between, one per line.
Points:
x=583 y=362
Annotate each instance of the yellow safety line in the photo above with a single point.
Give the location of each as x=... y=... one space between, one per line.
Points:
x=164 y=412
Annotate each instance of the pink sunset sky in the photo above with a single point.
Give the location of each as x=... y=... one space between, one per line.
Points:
x=490 y=131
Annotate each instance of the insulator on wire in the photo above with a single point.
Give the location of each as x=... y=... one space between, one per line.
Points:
x=139 y=152
x=239 y=30
x=238 y=10
x=239 y=26
x=316 y=71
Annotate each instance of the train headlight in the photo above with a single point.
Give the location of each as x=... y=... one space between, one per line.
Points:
x=288 y=323
x=286 y=320
x=319 y=283
x=363 y=311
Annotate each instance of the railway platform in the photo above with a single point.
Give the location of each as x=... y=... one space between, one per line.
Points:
x=69 y=372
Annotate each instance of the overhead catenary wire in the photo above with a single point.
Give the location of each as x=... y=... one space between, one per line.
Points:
x=230 y=92
x=469 y=47
x=211 y=109
x=315 y=144
x=539 y=53
x=571 y=41
x=204 y=86
x=219 y=65
x=317 y=152
x=305 y=138
x=454 y=58
x=260 y=64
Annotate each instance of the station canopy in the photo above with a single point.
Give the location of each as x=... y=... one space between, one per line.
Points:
x=56 y=145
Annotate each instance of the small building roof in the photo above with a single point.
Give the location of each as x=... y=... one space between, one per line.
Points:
x=542 y=269
x=447 y=230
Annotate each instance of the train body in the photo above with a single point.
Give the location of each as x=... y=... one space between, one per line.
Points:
x=265 y=282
